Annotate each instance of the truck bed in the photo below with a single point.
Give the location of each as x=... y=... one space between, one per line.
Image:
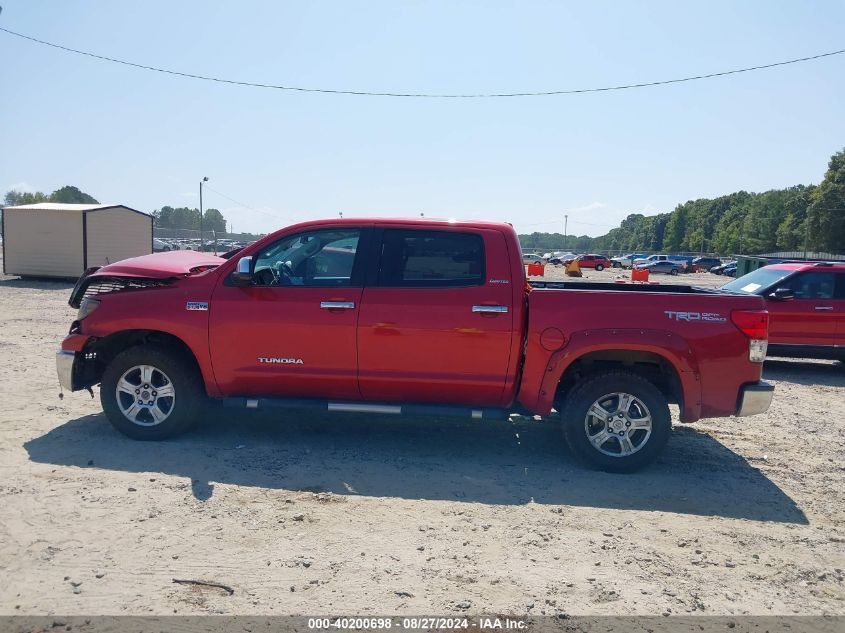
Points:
x=688 y=327
x=626 y=287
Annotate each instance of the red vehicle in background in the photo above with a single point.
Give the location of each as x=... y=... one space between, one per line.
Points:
x=598 y=262
x=806 y=304
x=410 y=316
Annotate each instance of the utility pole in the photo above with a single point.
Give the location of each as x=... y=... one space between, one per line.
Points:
x=565 y=229
x=806 y=233
x=204 y=179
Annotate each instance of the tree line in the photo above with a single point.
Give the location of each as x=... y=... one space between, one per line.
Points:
x=187 y=218
x=810 y=217
x=67 y=195
x=167 y=217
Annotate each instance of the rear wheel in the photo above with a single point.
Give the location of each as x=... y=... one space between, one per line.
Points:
x=674 y=271
x=617 y=421
x=599 y=267
x=151 y=393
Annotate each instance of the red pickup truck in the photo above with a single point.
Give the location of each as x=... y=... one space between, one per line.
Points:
x=410 y=316
x=806 y=304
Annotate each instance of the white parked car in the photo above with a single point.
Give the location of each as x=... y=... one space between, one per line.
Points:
x=624 y=261
x=160 y=246
x=675 y=259
x=639 y=261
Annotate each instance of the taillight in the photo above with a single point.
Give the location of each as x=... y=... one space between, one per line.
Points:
x=755 y=325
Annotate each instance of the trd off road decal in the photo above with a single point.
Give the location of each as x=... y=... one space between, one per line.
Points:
x=695 y=316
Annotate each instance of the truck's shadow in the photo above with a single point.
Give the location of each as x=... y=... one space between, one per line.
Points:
x=805 y=372
x=493 y=463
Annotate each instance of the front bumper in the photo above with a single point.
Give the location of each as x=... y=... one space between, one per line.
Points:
x=64 y=367
x=755 y=398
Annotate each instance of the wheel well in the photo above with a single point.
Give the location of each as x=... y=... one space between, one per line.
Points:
x=98 y=353
x=653 y=367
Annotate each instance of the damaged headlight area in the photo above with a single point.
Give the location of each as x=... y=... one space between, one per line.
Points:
x=90 y=285
x=87 y=306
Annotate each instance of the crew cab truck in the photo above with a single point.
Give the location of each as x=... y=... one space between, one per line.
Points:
x=410 y=316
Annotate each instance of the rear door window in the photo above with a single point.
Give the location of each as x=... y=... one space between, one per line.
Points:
x=412 y=258
x=840 y=286
x=812 y=285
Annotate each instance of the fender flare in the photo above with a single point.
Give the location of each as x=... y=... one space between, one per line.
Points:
x=670 y=347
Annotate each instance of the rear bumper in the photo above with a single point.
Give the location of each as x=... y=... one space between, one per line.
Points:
x=755 y=398
x=64 y=367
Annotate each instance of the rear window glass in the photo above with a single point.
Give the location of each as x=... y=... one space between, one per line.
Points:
x=431 y=258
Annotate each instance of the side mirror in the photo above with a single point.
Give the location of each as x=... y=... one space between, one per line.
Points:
x=242 y=275
x=782 y=294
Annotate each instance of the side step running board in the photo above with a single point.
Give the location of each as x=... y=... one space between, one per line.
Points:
x=480 y=413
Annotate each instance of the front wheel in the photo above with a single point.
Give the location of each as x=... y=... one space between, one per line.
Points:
x=599 y=267
x=617 y=421
x=674 y=271
x=151 y=393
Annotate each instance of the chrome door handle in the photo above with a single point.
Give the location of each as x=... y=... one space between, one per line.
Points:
x=337 y=305
x=491 y=309
x=824 y=307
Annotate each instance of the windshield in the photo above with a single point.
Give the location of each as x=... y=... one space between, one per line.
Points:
x=758 y=281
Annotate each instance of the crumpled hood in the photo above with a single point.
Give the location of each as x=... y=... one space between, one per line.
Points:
x=161 y=265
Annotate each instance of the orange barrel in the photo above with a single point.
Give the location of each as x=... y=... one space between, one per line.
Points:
x=639 y=274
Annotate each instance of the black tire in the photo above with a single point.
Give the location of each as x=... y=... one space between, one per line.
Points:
x=599 y=267
x=181 y=374
x=616 y=265
x=673 y=272
x=574 y=411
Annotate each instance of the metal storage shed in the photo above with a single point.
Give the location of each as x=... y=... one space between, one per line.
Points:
x=51 y=239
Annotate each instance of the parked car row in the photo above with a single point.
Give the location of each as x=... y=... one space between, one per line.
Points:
x=161 y=245
x=657 y=263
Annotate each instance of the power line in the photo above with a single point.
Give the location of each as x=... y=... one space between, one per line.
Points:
x=419 y=94
x=246 y=206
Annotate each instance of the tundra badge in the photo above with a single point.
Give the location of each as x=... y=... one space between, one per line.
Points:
x=272 y=360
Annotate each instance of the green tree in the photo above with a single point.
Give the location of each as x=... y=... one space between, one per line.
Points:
x=213 y=220
x=72 y=195
x=826 y=213
x=676 y=228
x=185 y=218
x=16 y=198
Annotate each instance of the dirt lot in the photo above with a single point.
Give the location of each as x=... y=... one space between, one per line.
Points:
x=317 y=514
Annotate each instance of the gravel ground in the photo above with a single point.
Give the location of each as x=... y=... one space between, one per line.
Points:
x=348 y=514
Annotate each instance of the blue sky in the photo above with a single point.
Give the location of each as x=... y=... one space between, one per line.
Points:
x=146 y=139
